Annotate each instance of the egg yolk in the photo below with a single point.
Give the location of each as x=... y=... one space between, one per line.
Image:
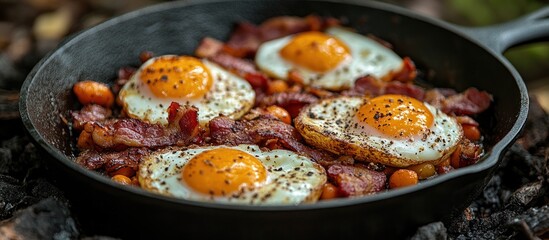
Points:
x=396 y=116
x=223 y=171
x=177 y=77
x=315 y=51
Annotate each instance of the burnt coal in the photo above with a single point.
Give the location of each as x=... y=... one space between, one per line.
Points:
x=513 y=205
x=12 y=196
x=17 y=156
x=19 y=187
x=432 y=231
x=20 y=183
x=534 y=222
x=99 y=238
x=535 y=132
x=48 y=219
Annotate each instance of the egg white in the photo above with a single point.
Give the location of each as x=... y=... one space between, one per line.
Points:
x=229 y=95
x=331 y=125
x=291 y=178
x=368 y=57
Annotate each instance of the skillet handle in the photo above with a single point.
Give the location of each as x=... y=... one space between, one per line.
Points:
x=529 y=28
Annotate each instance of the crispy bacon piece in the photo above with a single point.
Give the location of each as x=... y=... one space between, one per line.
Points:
x=470 y=153
x=111 y=161
x=469 y=102
x=124 y=74
x=260 y=131
x=407 y=89
x=244 y=40
x=89 y=113
x=208 y=47
x=259 y=81
x=243 y=68
x=185 y=120
x=224 y=130
x=407 y=73
x=320 y=93
x=443 y=169
x=145 y=56
x=369 y=85
x=437 y=96
x=355 y=180
x=291 y=101
x=123 y=133
x=119 y=134
x=466 y=120
x=282 y=26
x=257 y=113
x=239 y=66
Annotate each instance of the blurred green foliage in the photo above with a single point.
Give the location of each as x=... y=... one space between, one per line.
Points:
x=531 y=60
x=484 y=12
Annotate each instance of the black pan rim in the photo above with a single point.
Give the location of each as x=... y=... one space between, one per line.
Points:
x=489 y=161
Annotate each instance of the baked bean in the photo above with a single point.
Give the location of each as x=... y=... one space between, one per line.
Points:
x=89 y=92
x=403 y=178
x=277 y=86
x=423 y=170
x=122 y=179
x=280 y=113
x=329 y=191
x=471 y=132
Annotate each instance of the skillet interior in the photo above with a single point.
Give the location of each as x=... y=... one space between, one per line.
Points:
x=451 y=60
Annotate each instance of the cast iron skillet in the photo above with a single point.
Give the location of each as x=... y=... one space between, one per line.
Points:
x=452 y=57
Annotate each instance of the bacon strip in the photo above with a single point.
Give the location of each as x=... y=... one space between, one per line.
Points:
x=119 y=134
x=466 y=120
x=212 y=49
x=224 y=130
x=111 y=161
x=208 y=47
x=356 y=181
x=437 y=96
x=89 y=113
x=238 y=66
x=243 y=68
x=470 y=153
x=291 y=101
x=371 y=86
x=124 y=74
x=469 y=102
x=244 y=40
x=282 y=26
x=260 y=131
x=407 y=73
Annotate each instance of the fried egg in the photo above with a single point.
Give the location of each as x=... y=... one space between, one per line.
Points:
x=242 y=174
x=188 y=81
x=331 y=60
x=394 y=130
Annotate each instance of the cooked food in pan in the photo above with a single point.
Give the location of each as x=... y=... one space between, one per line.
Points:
x=291 y=111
